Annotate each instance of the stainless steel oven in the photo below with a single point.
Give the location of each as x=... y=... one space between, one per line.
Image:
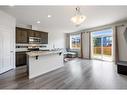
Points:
x=34 y=40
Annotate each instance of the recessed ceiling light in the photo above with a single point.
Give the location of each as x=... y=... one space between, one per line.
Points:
x=11 y=5
x=38 y=22
x=49 y=16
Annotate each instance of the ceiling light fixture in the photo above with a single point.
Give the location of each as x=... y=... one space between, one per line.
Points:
x=11 y=5
x=38 y=22
x=78 y=18
x=49 y=16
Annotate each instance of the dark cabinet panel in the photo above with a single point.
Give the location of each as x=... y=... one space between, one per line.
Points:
x=20 y=58
x=44 y=38
x=31 y=33
x=18 y=33
x=21 y=35
x=37 y=34
x=24 y=36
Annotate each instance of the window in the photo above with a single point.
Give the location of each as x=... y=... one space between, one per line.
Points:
x=101 y=44
x=75 y=41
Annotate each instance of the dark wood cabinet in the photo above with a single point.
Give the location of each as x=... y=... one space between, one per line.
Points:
x=31 y=33
x=21 y=35
x=44 y=38
x=38 y=34
x=20 y=58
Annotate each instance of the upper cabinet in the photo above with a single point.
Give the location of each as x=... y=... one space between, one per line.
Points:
x=37 y=34
x=22 y=35
x=31 y=33
x=44 y=38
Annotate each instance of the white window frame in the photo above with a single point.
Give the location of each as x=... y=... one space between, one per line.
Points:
x=71 y=41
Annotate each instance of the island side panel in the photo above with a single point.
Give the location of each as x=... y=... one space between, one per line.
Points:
x=44 y=64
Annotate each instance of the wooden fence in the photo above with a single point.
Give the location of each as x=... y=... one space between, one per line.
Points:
x=106 y=50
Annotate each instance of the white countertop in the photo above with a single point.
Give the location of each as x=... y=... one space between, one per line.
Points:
x=21 y=49
x=40 y=53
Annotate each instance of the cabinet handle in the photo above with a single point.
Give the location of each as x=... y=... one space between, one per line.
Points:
x=11 y=51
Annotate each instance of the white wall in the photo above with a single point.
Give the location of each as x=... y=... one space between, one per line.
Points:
x=7 y=36
x=7 y=20
x=56 y=40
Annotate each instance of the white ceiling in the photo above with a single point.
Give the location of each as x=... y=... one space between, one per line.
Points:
x=60 y=20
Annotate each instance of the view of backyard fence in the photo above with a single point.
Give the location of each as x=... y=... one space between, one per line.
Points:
x=102 y=43
x=106 y=50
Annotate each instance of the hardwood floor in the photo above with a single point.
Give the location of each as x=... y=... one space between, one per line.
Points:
x=76 y=74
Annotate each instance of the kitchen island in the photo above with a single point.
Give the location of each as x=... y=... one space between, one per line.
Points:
x=41 y=62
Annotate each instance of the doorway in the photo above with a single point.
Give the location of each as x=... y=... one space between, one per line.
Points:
x=102 y=44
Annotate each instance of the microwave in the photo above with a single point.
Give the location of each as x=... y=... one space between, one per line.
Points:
x=34 y=40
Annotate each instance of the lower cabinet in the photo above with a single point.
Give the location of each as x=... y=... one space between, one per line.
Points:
x=20 y=58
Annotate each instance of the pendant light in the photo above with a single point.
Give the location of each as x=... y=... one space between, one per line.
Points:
x=78 y=18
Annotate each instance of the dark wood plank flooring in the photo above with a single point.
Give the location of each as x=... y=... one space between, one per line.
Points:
x=76 y=74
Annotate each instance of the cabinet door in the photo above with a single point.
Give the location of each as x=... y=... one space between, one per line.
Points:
x=21 y=35
x=31 y=33
x=20 y=59
x=24 y=36
x=44 y=38
x=18 y=35
x=37 y=34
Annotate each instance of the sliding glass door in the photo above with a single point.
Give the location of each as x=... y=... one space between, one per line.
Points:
x=102 y=44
